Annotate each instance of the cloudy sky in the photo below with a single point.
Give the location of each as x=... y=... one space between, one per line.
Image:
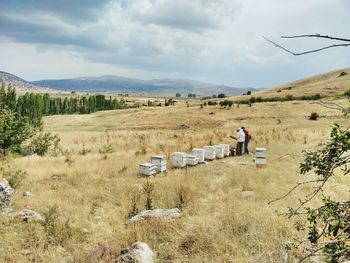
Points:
x=218 y=41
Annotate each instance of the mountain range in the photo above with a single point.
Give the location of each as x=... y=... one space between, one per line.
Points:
x=117 y=84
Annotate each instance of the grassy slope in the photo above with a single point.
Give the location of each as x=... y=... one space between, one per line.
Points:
x=327 y=84
x=218 y=225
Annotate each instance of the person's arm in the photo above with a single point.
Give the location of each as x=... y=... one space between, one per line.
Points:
x=233 y=137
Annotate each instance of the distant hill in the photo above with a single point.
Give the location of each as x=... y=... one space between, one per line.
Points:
x=20 y=84
x=332 y=83
x=109 y=83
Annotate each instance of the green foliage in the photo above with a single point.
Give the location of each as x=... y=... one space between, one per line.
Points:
x=212 y=103
x=327 y=226
x=226 y=103
x=221 y=95
x=313 y=116
x=14 y=130
x=279 y=99
x=177 y=95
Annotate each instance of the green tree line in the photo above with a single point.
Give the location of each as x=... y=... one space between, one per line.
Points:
x=34 y=106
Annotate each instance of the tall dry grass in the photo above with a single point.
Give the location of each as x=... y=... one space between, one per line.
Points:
x=95 y=191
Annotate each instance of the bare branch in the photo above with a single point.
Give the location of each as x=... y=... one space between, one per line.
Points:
x=305 y=52
x=318 y=36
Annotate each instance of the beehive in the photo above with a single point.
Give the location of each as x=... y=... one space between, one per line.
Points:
x=179 y=159
x=199 y=153
x=148 y=169
x=219 y=151
x=191 y=160
x=209 y=152
x=227 y=151
x=160 y=162
x=260 y=156
x=260 y=153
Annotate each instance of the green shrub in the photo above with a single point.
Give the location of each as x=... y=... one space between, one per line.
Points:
x=14 y=130
x=41 y=143
x=313 y=116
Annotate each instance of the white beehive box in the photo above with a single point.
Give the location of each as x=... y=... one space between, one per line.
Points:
x=260 y=152
x=148 y=169
x=219 y=151
x=209 y=152
x=160 y=162
x=260 y=161
x=199 y=153
x=191 y=160
x=179 y=159
x=227 y=151
x=260 y=156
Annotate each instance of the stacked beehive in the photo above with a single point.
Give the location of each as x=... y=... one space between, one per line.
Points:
x=227 y=151
x=160 y=162
x=191 y=160
x=260 y=157
x=199 y=153
x=219 y=151
x=179 y=159
x=209 y=153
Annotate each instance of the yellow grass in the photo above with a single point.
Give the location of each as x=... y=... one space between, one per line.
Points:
x=327 y=84
x=94 y=191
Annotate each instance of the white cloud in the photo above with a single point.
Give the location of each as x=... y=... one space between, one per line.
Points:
x=217 y=41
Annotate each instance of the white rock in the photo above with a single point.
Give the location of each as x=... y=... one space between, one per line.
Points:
x=26 y=252
x=6 y=194
x=138 y=252
x=27 y=214
x=166 y=214
x=247 y=194
x=27 y=193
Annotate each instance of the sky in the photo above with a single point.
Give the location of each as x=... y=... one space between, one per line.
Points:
x=217 y=41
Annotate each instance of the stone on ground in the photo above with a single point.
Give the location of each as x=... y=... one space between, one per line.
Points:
x=247 y=194
x=6 y=194
x=138 y=252
x=166 y=214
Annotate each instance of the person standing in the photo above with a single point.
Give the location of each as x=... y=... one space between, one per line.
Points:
x=240 y=136
x=246 y=141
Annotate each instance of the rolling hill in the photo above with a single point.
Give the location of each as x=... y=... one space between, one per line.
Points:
x=332 y=83
x=21 y=84
x=110 y=83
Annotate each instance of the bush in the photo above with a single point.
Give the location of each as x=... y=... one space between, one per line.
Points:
x=14 y=130
x=41 y=143
x=313 y=116
x=58 y=232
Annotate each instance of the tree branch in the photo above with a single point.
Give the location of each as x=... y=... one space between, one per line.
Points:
x=318 y=36
x=306 y=52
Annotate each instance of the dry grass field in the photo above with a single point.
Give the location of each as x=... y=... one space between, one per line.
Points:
x=94 y=182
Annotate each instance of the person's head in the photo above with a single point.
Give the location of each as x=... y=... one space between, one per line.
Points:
x=243 y=128
x=237 y=130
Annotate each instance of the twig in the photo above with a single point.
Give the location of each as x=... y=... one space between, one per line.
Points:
x=318 y=36
x=305 y=52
